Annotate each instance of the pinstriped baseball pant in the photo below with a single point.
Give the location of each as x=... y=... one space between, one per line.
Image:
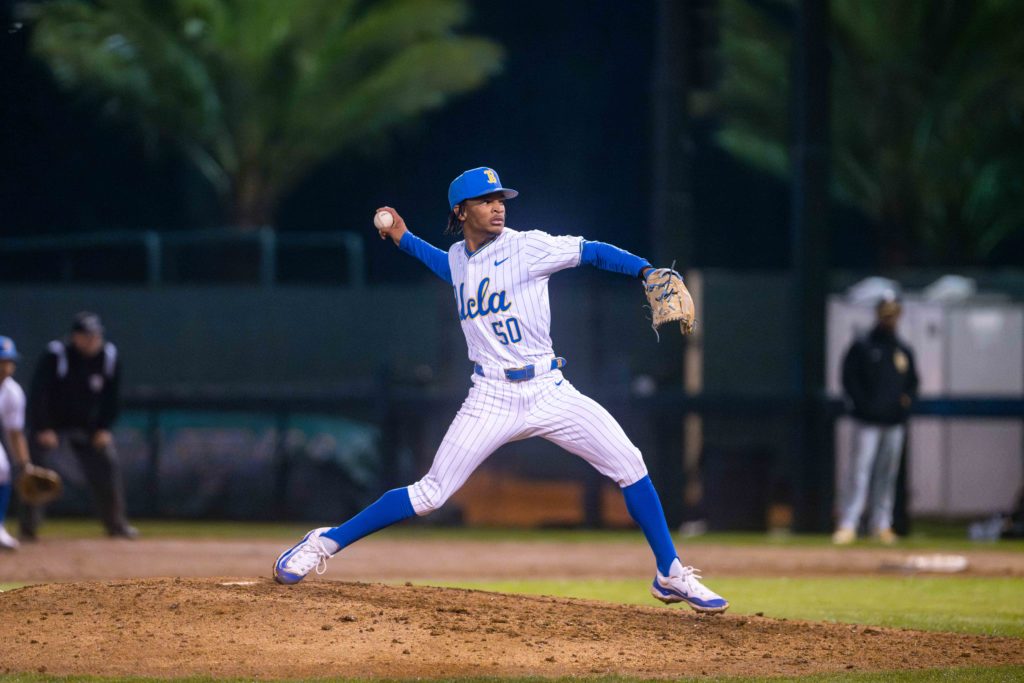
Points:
x=496 y=412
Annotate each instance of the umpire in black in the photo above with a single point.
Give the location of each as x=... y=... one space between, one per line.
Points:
x=76 y=392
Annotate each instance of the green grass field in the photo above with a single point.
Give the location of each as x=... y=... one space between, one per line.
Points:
x=987 y=606
x=983 y=606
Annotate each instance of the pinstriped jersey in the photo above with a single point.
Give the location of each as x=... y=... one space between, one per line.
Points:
x=501 y=294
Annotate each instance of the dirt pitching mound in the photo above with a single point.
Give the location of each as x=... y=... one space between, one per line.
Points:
x=236 y=627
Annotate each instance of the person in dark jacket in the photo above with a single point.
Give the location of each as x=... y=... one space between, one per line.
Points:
x=880 y=378
x=75 y=391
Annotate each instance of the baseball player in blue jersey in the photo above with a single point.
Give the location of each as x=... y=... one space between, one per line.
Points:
x=500 y=278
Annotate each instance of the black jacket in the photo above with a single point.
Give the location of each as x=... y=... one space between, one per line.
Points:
x=70 y=391
x=878 y=371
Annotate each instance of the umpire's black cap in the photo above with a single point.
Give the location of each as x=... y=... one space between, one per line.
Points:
x=87 y=322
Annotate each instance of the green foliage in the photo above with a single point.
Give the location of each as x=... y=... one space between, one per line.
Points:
x=257 y=92
x=927 y=114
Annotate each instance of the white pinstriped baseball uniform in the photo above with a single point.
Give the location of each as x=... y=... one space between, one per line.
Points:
x=501 y=294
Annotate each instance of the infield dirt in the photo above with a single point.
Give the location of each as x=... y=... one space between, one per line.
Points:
x=238 y=627
x=105 y=610
x=416 y=558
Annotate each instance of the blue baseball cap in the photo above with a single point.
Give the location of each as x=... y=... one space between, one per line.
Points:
x=8 y=351
x=476 y=182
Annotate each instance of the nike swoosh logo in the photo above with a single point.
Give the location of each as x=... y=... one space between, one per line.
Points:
x=559 y=382
x=498 y=263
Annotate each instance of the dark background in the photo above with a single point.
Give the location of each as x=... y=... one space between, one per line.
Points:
x=570 y=123
x=572 y=67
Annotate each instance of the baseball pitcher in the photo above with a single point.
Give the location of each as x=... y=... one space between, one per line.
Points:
x=499 y=278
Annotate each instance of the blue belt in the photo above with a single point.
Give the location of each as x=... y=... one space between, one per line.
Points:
x=524 y=373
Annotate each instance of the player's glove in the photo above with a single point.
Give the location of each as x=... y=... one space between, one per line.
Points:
x=668 y=299
x=38 y=485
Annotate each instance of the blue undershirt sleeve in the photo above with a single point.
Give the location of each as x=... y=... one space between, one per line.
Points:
x=608 y=257
x=431 y=256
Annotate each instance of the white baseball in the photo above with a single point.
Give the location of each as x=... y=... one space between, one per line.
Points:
x=383 y=220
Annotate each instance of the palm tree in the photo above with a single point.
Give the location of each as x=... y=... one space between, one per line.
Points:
x=927 y=115
x=258 y=92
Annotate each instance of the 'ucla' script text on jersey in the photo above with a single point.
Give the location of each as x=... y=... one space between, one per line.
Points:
x=483 y=303
x=501 y=293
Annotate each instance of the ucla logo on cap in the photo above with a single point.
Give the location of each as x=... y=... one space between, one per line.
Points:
x=477 y=182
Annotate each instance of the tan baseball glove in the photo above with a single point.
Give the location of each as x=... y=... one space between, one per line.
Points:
x=669 y=300
x=38 y=485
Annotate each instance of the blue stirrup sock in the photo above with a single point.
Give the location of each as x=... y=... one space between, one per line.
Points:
x=392 y=507
x=5 y=499
x=645 y=508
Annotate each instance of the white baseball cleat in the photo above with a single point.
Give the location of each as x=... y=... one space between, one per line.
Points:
x=7 y=542
x=683 y=585
x=302 y=558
